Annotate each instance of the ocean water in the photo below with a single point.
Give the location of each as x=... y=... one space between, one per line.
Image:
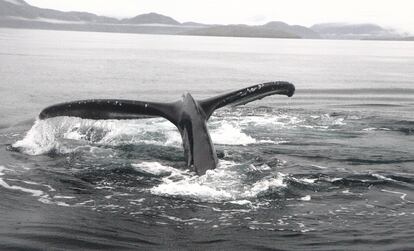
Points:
x=331 y=168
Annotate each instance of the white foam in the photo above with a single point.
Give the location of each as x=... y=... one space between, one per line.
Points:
x=264 y=185
x=241 y=202
x=33 y=192
x=2 y=168
x=194 y=190
x=276 y=142
x=46 y=200
x=63 y=197
x=39 y=139
x=137 y=200
x=275 y=121
x=263 y=167
x=230 y=134
x=288 y=121
x=306 y=198
x=142 y=132
x=307 y=180
x=369 y=129
x=86 y=202
x=42 y=196
x=225 y=183
x=173 y=218
x=154 y=168
x=379 y=176
x=402 y=197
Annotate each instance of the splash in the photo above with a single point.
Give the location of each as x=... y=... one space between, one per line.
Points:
x=66 y=134
x=230 y=134
x=155 y=168
x=225 y=183
x=59 y=134
x=39 y=139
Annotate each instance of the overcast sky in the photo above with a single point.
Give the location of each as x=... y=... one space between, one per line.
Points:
x=389 y=13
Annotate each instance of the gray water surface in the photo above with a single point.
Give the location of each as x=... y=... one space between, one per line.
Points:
x=329 y=169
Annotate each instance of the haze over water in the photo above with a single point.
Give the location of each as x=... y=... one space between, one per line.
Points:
x=330 y=168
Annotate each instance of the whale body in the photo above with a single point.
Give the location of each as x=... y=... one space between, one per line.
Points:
x=190 y=116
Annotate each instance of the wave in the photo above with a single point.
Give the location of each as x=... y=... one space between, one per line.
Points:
x=36 y=190
x=402 y=126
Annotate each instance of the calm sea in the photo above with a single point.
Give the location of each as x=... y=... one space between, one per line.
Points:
x=331 y=168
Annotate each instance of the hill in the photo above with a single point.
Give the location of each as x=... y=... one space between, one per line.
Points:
x=353 y=31
x=19 y=9
x=151 y=18
x=240 y=31
x=298 y=30
x=19 y=14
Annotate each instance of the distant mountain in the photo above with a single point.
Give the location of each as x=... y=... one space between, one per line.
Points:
x=240 y=31
x=273 y=29
x=19 y=14
x=353 y=31
x=298 y=30
x=19 y=9
x=151 y=18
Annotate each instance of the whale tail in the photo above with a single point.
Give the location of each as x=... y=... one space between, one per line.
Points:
x=111 y=109
x=188 y=115
x=131 y=109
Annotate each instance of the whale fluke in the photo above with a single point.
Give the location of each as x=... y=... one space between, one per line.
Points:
x=111 y=109
x=188 y=115
x=246 y=95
